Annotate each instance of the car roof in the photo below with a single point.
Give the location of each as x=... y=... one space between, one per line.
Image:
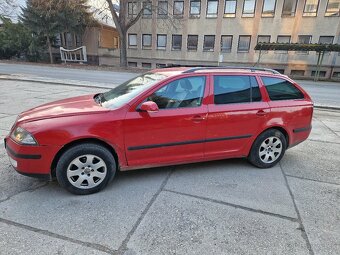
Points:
x=174 y=71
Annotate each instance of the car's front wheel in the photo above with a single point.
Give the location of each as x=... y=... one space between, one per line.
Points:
x=268 y=149
x=85 y=168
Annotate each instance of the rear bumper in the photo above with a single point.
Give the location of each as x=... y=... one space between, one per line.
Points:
x=34 y=161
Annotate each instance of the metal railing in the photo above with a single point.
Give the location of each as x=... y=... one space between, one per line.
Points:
x=75 y=55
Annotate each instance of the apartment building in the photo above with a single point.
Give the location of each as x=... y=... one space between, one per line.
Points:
x=225 y=32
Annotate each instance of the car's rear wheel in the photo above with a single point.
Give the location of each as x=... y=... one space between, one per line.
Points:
x=85 y=168
x=268 y=149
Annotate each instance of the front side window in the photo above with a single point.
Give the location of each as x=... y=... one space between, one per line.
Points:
x=147 y=41
x=161 y=42
x=125 y=92
x=248 y=8
x=268 y=8
x=226 y=43
x=280 y=89
x=195 y=7
x=212 y=7
x=178 y=8
x=230 y=8
x=181 y=93
x=289 y=7
x=176 y=42
x=244 y=43
x=333 y=7
x=311 y=8
x=209 y=43
x=132 y=40
x=232 y=89
x=192 y=42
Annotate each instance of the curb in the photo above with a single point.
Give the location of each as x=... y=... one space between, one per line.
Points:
x=106 y=86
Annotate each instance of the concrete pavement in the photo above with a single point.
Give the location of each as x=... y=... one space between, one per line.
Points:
x=220 y=207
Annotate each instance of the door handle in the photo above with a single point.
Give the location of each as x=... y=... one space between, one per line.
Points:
x=261 y=113
x=197 y=118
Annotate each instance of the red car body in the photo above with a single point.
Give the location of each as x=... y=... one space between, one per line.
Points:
x=140 y=139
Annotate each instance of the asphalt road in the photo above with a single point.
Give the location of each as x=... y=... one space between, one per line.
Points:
x=219 y=207
x=323 y=93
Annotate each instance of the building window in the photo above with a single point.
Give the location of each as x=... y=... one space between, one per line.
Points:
x=195 y=8
x=162 y=9
x=147 y=10
x=132 y=40
x=226 y=43
x=178 y=8
x=132 y=9
x=209 y=43
x=161 y=42
x=159 y=65
x=146 y=65
x=176 y=42
x=263 y=39
x=212 y=7
x=326 y=39
x=333 y=7
x=305 y=39
x=289 y=7
x=147 y=41
x=268 y=8
x=132 y=64
x=248 y=8
x=311 y=8
x=243 y=43
x=230 y=8
x=192 y=42
x=283 y=39
x=321 y=73
x=297 y=72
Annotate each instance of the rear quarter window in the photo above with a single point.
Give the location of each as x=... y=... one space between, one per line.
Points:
x=280 y=89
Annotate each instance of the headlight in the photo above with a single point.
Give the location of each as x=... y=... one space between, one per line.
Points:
x=21 y=136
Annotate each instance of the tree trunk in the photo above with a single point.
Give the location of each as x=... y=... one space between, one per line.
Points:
x=50 y=49
x=123 y=51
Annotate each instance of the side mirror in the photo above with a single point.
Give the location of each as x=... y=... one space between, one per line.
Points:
x=149 y=106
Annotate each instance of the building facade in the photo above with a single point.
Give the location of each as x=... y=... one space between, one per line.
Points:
x=225 y=32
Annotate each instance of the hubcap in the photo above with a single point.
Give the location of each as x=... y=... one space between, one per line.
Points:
x=86 y=171
x=270 y=149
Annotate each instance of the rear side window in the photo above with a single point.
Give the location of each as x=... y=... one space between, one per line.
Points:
x=231 y=89
x=280 y=89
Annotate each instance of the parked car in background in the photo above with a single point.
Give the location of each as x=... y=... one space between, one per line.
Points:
x=163 y=117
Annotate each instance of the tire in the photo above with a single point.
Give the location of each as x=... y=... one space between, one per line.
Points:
x=268 y=149
x=85 y=168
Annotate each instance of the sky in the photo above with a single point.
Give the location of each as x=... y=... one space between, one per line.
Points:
x=99 y=7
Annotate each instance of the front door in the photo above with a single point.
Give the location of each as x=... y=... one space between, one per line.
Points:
x=176 y=132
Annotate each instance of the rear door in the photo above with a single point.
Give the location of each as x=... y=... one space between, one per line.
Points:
x=236 y=114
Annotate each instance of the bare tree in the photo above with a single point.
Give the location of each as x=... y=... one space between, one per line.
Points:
x=123 y=21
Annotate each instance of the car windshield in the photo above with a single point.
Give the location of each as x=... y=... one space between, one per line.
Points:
x=123 y=93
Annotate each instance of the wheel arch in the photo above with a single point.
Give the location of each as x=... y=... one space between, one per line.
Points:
x=279 y=128
x=80 y=141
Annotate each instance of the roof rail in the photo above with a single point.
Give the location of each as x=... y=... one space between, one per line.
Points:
x=252 y=69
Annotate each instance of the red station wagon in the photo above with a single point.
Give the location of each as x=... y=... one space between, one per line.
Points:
x=163 y=117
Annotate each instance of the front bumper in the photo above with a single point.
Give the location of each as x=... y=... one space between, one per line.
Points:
x=34 y=161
